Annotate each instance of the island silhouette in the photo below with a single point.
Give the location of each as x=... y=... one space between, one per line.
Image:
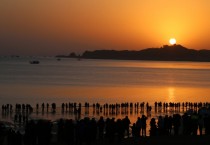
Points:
x=165 y=53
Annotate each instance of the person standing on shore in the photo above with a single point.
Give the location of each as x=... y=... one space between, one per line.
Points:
x=138 y=126
x=144 y=124
x=126 y=123
x=101 y=126
x=200 y=124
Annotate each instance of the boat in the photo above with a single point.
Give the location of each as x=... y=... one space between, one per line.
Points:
x=78 y=58
x=34 y=62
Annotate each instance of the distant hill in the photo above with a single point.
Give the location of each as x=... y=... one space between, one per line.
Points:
x=165 y=53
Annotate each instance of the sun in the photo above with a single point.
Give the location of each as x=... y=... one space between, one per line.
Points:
x=172 y=41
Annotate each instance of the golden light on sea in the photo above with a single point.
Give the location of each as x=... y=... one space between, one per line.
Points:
x=171 y=94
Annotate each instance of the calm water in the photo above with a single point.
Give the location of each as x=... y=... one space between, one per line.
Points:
x=104 y=81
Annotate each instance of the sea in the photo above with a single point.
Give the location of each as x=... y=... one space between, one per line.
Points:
x=100 y=81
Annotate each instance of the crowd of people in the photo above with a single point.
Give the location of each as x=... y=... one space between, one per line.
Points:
x=105 y=129
x=98 y=108
x=91 y=131
x=194 y=124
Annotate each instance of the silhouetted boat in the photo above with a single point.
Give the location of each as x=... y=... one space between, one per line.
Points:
x=34 y=62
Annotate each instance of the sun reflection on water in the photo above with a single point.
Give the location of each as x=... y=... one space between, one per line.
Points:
x=171 y=94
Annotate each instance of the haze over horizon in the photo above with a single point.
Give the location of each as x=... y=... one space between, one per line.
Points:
x=51 y=27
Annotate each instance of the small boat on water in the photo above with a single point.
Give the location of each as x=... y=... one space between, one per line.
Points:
x=34 y=62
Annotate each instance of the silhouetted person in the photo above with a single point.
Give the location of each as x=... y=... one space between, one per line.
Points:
x=119 y=130
x=53 y=107
x=207 y=124
x=126 y=123
x=110 y=129
x=194 y=119
x=61 y=136
x=138 y=126
x=134 y=131
x=69 y=132
x=101 y=125
x=37 y=107
x=47 y=107
x=160 y=125
x=153 y=127
x=144 y=124
x=200 y=124
x=166 y=125
x=176 y=123
x=43 y=106
x=92 y=130
x=30 y=133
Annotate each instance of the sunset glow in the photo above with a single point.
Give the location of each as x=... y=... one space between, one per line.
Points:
x=59 y=27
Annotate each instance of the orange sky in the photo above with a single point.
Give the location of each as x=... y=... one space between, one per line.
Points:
x=50 y=27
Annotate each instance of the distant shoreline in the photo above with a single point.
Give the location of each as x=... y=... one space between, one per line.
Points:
x=165 y=53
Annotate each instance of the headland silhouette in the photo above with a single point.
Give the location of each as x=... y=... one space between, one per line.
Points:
x=164 y=53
